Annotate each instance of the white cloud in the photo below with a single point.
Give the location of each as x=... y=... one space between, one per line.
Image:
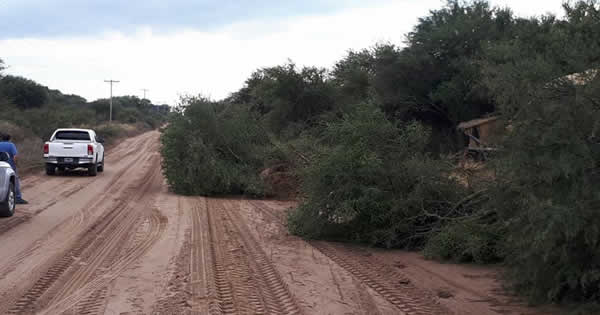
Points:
x=214 y=63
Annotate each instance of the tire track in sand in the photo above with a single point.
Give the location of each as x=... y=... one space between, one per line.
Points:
x=20 y=216
x=157 y=225
x=6 y=224
x=228 y=271
x=75 y=222
x=273 y=291
x=383 y=279
x=390 y=284
x=234 y=283
x=112 y=228
x=116 y=252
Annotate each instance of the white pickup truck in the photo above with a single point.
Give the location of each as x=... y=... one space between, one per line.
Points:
x=74 y=148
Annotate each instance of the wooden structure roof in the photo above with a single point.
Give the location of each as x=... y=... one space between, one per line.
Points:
x=476 y=122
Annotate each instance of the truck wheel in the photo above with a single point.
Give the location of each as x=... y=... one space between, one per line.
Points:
x=50 y=169
x=101 y=166
x=7 y=207
x=93 y=170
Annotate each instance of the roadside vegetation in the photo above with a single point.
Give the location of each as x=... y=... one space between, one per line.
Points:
x=374 y=147
x=30 y=112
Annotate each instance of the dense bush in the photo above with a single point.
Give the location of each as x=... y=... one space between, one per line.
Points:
x=548 y=193
x=466 y=241
x=545 y=196
x=288 y=99
x=210 y=150
x=375 y=183
x=23 y=92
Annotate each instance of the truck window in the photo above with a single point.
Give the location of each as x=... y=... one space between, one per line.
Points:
x=72 y=135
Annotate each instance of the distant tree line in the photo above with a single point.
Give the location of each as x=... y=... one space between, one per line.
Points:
x=31 y=105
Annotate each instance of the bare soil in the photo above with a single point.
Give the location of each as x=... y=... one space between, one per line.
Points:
x=120 y=243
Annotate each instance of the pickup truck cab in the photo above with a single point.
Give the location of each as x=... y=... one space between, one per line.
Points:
x=7 y=187
x=74 y=148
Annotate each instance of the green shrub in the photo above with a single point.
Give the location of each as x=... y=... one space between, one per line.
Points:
x=23 y=92
x=547 y=194
x=210 y=152
x=465 y=242
x=373 y=182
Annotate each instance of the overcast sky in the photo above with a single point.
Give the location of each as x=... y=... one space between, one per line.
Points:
x=177 y=47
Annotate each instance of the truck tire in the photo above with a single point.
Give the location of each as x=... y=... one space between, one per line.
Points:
x=93 y=170
x=50 y=169
x=101 y=166
x=7 y=207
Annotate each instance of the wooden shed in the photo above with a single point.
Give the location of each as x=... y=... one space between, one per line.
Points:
x=480 y=133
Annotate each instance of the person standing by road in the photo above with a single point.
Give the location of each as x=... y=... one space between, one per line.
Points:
x=7 y=146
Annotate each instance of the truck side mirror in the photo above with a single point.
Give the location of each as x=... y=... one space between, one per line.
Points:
x=99 y=140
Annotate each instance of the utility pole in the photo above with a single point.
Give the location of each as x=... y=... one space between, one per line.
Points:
x=145 y=90
x=111 y=84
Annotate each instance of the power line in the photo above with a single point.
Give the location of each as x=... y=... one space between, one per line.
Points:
x=111 y=85
x=145 y=90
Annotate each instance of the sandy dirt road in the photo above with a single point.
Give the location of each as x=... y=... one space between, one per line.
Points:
x=120 y=243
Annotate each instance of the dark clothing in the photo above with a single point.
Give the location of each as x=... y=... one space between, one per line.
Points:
x=11 y=149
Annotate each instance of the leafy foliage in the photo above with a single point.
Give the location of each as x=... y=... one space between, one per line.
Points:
x=375 y=183
x=209 y=150
x=546 y=177
x=466 y=241
x=352 y=77
x=22 y=92
x=287 y=98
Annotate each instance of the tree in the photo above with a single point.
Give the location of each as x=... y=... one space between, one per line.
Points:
x=436 y=79
x=352 y=77
x=23 y=92
x=57 y=97
x=582 y=28
x=544 y=193
x=287 y=97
